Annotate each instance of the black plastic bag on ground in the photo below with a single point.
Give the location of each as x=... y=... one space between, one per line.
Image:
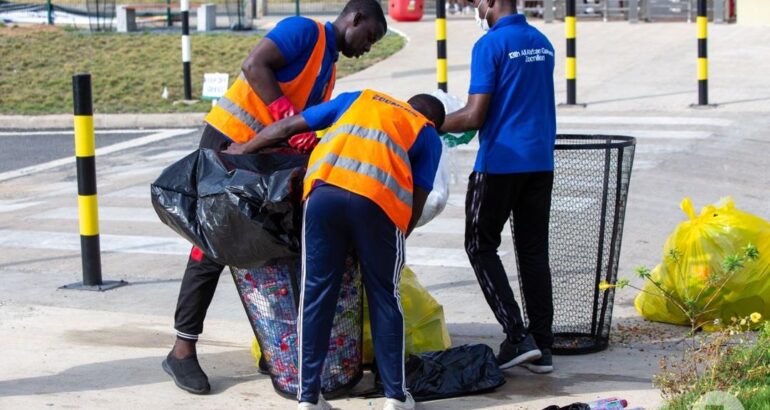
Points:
x=240 y=210
x=457 y=371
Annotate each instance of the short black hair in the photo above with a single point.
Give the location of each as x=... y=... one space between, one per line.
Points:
x=429 y=106
x=369 y=9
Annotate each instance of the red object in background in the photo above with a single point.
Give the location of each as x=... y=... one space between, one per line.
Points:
x=406 y=10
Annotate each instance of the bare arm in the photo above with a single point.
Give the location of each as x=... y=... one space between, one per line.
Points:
x=419 y=196
x=259 y=69
x=470 y=117
x=271 y=135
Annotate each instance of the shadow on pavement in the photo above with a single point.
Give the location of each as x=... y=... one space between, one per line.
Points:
x=123 y=373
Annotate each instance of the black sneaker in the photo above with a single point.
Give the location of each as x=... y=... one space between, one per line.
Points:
x=542 y=365
x=513 y=354
x=187 y=374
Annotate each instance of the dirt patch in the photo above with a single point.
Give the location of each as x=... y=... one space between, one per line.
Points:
x=26 y=29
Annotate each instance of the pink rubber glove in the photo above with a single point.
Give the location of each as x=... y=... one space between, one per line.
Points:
x=304 y=142
x=281 y=108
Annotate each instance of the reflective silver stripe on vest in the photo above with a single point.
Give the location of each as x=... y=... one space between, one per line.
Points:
x=364 y=169
x=370 y=134
x=239 y=113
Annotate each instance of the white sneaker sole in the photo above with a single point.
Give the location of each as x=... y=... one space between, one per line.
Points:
x=530 y=356
x=534 y=368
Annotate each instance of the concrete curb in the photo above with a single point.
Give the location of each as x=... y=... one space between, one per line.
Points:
x=33 y=122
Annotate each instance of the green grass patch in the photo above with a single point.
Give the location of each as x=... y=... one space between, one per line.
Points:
x=128 y=71
x=737 y=365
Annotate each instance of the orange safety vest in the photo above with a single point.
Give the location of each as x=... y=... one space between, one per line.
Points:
x=366 y=152
x=241 y=114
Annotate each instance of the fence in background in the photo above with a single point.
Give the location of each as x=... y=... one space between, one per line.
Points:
x=159 y=13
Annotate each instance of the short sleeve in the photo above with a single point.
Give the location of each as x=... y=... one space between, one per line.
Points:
x=294 y=36
x=483 y=67
x=323 y=115
x=424 y=157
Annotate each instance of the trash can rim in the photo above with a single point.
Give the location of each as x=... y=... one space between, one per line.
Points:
x=610 y=141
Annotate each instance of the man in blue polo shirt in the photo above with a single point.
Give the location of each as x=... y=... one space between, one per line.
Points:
x=289 y=70
x=511 y=103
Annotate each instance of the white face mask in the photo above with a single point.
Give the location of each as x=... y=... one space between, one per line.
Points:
x=482 y=22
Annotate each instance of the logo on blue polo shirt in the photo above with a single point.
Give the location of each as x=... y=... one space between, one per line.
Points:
x=531 y=54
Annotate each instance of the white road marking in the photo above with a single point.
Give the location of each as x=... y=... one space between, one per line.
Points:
x=138 y=191
x=12 y=205
x=106 y=213
x=156 y=245
x=100 y=151
x=642 y=134
x=109 y=243
x=691 y=121
x=443 y=257
x=71 y=133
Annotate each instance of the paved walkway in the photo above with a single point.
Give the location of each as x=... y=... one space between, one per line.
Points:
x=100 y=350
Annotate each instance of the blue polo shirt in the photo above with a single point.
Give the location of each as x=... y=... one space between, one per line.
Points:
x=514 y=62
x=296 y=38
x=424 y=154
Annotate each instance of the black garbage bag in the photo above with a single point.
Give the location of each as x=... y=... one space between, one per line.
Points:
x=240 y=210
x=573 y=406
x=457 y=371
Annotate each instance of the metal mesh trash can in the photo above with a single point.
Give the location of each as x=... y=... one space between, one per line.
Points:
x=270 y=295
x=590 y=188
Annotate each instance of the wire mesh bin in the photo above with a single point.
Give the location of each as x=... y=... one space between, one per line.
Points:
x=270 y=295
x=590 y=188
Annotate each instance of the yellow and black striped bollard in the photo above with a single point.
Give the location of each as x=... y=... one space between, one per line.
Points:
x=441 y=63
x=571 y=63
x=85 y=151
x=703 y=65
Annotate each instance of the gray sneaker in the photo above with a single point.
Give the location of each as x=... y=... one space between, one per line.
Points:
x=514 y=354
x=542 y=365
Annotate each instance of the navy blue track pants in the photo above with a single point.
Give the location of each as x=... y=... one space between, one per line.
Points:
x=336 y=220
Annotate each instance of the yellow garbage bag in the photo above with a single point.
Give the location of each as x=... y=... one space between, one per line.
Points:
x=695 y=252
x=425 y=327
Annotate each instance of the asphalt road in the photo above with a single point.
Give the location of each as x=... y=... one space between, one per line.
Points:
x=22 y=149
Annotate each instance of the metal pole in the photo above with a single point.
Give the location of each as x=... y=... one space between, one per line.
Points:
x=49 y=8
x=702 y=22
x=186 y=51
x=571 y=66
x=719 y=11
x=606 y=10
x=296 y=7
x=168 y=13
x=633 y=11
x=548 y=11
x=441 y=62
x=85 y=157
